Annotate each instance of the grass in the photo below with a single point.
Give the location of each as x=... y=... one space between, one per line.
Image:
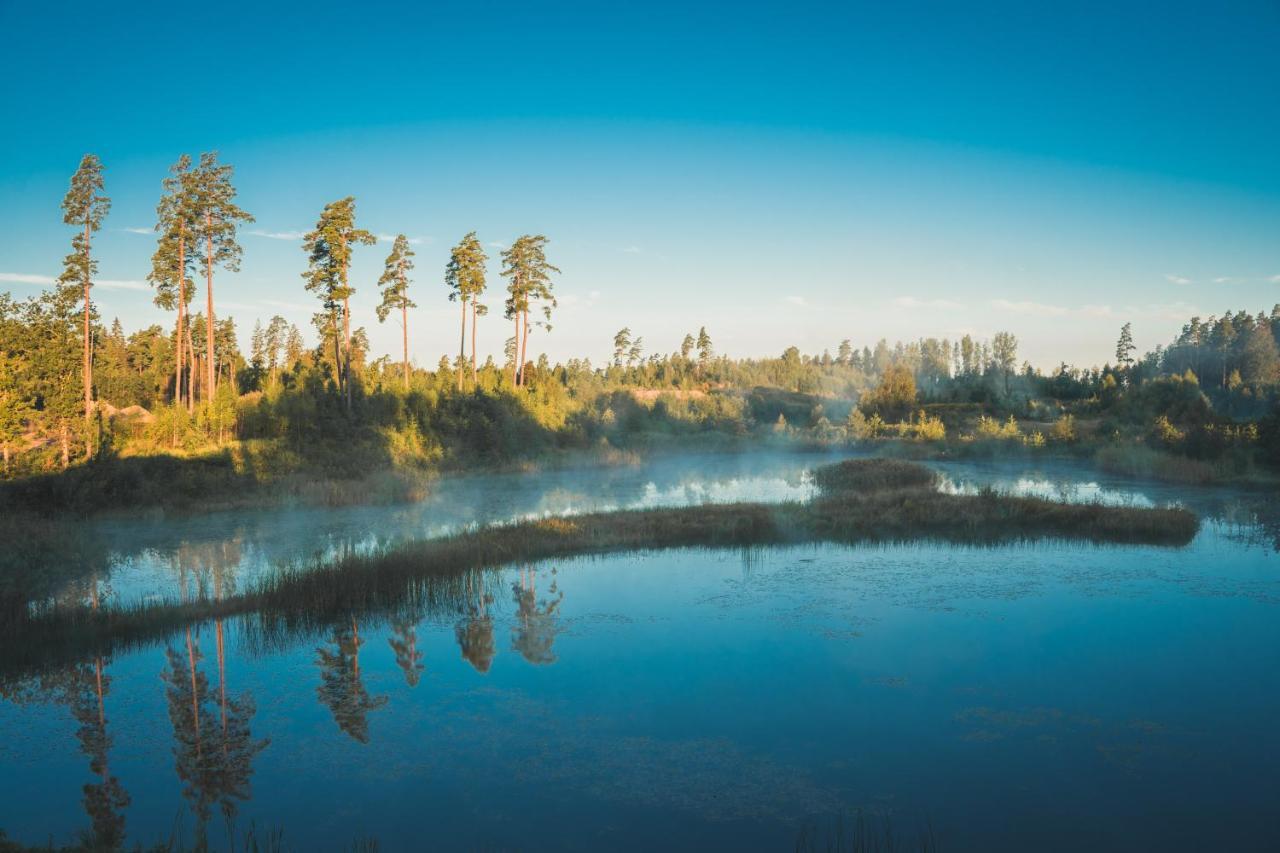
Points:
x=431 y=572
x=861 y=475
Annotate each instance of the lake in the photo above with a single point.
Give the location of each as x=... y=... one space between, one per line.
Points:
x=1039 y=696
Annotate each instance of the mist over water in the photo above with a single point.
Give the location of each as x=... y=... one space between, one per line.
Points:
x=1042 y=696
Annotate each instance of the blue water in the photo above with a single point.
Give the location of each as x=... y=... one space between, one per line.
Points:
x=1044 y=696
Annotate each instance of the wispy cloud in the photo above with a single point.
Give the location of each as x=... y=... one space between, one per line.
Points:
x=797 y=300
x=1026 y=307
x=139 y=230
x=278 y=235
x=570 y=300
x=286 y=306
x=1176 y=279
x=495 y=244
x=24 y=278
x=936 y=304
x=1223 y=279
x=109 y=283
x=391 y=238
x=631 y=250
x=1275 y=279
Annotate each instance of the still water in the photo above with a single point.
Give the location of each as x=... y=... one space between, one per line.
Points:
x=1041 y=696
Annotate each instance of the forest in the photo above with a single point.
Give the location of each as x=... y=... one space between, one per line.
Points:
x=95 y=416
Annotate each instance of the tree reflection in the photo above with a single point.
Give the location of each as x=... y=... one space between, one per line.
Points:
x=341 y=688
x=475 y=630
x=104 y=800
x=536 y=627
x=213 y=752
x=404 y=642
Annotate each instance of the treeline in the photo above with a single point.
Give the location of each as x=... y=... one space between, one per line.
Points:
x=73 y=387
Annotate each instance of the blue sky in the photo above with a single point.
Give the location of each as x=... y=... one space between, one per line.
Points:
x=795 y=173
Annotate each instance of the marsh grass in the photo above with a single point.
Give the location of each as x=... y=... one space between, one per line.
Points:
x=861 y=475
x=433 y=574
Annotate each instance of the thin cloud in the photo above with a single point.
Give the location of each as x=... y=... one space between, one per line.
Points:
x=1176 y=279
x=286 y=306
x=278 y=235
x=109 y=283
x=631 y=250
x=495 y=244
x=24 y=278
x=139 y=230
x=937 y=304
x=798 y=300
x=1275 y=279
x=1033 y=309
x=391 y=238
x=1223 y=279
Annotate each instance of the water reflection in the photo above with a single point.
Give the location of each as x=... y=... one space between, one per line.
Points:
x=342 y=688
x=536 y=627
x=474 y=631
x=214 y=747
x=404 y=642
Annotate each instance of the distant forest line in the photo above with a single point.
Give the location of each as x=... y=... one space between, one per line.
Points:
x=75 y=389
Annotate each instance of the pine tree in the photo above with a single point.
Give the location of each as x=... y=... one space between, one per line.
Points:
x=171 y=264
x=328 y=250
x=1125 y=347
x=217 y=218
x=465 y=277
x=529 y=280
x=395 y=292
x=84 y=206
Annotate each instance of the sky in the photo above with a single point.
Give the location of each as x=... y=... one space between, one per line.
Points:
x=782 y=174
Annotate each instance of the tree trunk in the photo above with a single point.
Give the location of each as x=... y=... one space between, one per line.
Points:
x=191 y=373
x=346 y=329
x=5 y=448
x=474 y=380
x=462 y=344
x=404 y=330
x=524 y=348
x=346 y=354
x=515 y=350
x=337 y=350
x=211 y=380
x=182 y=305
x=66 y=446
x=88 y=361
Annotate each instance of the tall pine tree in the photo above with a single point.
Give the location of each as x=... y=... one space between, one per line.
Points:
x=217 y=218
x=395 y=292
x=328 y=249
x=84 y=206
x=465 y=277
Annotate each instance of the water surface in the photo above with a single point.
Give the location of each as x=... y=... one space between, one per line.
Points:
x=1042 y=696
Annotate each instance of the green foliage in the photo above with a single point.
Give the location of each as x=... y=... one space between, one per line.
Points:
x=894 y=397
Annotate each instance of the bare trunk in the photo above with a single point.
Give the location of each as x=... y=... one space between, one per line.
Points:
x=346 y=354
x=337 y=351
x=515 y=351
x=404 y=330
x=5 y=449
x=88 y=361
x=462 y=345
x=66 y=445
x=182 y=306
x=210 y=379
x=191 y=373
x=524 y=348
x=346 y=330
x=474 y=381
